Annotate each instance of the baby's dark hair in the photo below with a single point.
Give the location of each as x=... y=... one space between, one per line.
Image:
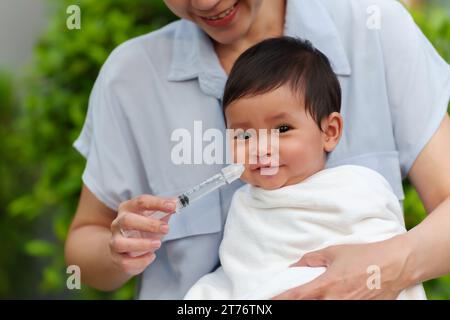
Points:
x=275 y=62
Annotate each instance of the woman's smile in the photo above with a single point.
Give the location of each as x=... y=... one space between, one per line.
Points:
x=223 y=18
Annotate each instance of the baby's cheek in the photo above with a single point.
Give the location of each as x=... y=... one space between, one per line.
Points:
x=247 y=177
x=297 y=158
x=290 y=150
x=238 y=152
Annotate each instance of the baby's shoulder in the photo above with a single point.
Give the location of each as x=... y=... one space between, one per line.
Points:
x=241 y=192
x=354 y=175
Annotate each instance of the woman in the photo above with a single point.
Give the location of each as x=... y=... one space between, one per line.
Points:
x=395 y=94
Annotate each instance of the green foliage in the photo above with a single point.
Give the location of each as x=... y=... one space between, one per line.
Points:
x=435 y=23
x=13 y=173
x=41 y=172
x=66 y=64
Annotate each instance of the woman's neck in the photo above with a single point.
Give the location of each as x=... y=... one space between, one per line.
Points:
x=268 y=23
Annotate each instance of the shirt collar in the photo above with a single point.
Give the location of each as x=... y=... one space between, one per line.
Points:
x=194 y=55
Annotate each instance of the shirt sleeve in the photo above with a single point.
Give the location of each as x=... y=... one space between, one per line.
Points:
x=418 y=83
x=106 y=142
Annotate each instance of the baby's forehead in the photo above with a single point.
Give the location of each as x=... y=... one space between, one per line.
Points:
x=275 y=101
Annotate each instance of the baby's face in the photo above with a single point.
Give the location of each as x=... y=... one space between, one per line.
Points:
x=301 y=144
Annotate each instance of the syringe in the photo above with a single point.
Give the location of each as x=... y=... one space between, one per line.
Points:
x=226 y=176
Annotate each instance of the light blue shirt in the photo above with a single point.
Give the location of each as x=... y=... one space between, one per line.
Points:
x=395 y=94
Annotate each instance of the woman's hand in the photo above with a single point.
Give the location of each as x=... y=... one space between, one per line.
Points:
x=133 y=255
x=355 y=271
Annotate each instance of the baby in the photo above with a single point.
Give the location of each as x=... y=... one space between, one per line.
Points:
x=298 y=206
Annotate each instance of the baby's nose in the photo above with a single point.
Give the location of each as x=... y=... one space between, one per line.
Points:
x=259 y=152
x=264 y=158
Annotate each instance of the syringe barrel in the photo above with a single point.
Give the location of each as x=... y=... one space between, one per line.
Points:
x=226 y=176
x=199 y=191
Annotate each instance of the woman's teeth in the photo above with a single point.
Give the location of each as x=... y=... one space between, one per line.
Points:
x=222 y=15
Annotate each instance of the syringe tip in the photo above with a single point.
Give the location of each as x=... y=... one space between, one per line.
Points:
x=233 y=172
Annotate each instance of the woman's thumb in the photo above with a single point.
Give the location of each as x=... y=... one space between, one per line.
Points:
x=313 y=259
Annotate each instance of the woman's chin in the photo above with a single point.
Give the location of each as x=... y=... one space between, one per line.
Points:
x=224 y=37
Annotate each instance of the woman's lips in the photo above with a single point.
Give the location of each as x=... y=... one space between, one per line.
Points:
x=222 y=19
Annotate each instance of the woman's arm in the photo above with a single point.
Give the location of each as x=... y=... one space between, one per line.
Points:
x=422 y=253
x=87 y=244
x=96 y=245
x=430 y=240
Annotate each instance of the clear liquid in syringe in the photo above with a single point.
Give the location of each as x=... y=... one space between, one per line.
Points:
x=201 y=189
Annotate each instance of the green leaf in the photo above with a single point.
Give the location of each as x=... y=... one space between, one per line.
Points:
x=40 y=248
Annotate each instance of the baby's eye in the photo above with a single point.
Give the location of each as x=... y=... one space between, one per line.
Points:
x=283 y=128
x=243 y=135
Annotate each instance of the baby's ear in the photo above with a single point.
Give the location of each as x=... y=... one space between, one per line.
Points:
x=332 y=127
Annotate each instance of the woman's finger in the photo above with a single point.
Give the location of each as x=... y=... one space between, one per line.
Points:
x=121 y=244
x=135 y=265
x=134 y=221
x=150 y=202
x=313 y=290
x=313 y=259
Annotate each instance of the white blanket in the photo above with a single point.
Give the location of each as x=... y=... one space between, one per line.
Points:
x=268 y=230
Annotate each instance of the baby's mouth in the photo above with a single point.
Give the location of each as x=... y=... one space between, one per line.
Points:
x=255 y=167
x=264 y=163
x=265 y=169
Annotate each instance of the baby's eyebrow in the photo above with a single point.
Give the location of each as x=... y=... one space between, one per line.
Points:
x=239 y=125
x=278 y=116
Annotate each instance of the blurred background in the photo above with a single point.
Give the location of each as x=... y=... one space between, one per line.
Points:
x=46 y=75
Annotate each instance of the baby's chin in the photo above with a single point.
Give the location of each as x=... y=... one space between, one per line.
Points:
x=269 y=187
x=271 y=181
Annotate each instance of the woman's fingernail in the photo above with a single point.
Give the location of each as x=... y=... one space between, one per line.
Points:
x=169 y=205
x=156 y=244
x=164 y=228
